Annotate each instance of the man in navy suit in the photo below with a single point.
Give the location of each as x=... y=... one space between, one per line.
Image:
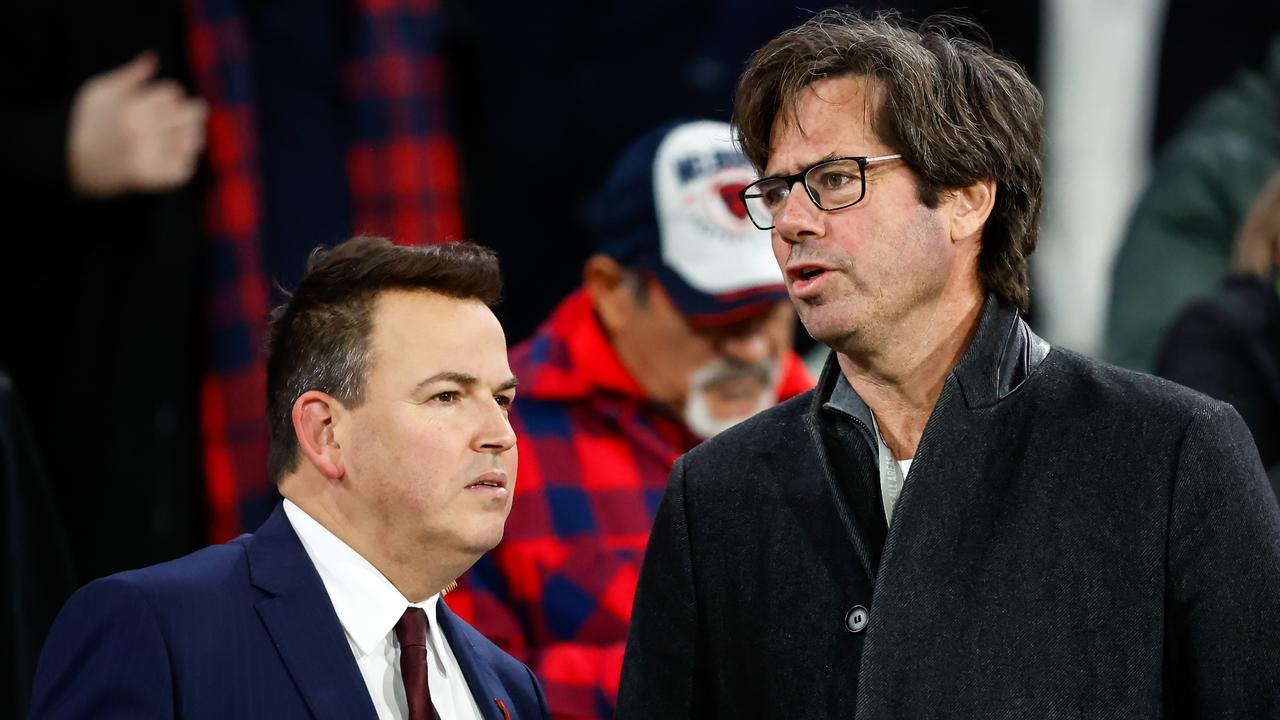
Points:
x=388 y=390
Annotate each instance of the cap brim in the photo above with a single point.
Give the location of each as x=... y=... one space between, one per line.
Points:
x=711 y=310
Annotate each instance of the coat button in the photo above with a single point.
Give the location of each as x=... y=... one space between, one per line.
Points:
x=856 y=619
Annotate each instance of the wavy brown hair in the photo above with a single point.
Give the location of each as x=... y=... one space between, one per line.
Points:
x=957 y=112
x=319 y=339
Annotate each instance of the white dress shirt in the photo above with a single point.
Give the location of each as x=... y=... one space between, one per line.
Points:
x=369 y=606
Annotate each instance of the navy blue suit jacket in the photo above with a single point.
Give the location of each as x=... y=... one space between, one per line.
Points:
x=241 y=630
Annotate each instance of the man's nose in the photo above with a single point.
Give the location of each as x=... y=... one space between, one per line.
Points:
x=496 y=435
x=799 y=217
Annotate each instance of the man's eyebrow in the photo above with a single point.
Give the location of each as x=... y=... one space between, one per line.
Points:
x=464 y=379
x=829 y=156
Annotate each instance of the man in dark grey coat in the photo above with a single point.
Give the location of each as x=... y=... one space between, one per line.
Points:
x=959 y=521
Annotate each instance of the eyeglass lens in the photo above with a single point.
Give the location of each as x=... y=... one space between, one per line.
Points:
x=832 y=185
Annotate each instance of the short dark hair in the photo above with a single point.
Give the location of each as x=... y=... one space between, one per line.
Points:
x=957 y=112
x=319 y=339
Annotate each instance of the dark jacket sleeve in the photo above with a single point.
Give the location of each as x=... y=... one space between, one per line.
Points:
x=661 y=666
x=104 y=658
x=1223 y=596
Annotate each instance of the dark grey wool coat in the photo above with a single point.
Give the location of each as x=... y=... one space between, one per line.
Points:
x=1073 y=541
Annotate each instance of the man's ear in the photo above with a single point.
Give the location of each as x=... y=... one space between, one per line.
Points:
x=611 y=291
x=970 y=208
x=314 y=415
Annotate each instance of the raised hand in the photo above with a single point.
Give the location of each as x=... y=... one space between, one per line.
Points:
x=132 y=133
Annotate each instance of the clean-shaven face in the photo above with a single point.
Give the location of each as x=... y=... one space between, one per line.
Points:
x=430 y=455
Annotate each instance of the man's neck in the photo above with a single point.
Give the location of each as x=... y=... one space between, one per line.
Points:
x=901 y=378
x=416 y=573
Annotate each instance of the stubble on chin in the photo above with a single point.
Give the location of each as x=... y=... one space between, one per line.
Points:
x=838 y=329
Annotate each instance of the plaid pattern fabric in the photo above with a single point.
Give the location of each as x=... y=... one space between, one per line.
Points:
x=594 y=458
x=402 y=171
x=402 y=166
x=233 y=392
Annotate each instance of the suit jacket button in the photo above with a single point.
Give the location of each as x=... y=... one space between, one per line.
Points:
x=856 y=619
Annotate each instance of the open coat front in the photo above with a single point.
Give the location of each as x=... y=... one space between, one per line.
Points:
x=1073 y=541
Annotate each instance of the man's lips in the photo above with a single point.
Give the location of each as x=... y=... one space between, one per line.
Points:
x=492 y=480
x=806 y=278
x=805 y=271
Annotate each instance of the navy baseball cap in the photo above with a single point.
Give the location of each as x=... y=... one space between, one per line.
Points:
x=671 y=207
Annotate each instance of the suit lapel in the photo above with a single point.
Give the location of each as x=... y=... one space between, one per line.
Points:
x=485 y=686
x=303 y=624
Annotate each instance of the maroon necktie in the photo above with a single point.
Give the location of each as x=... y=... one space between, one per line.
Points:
x=411 y=633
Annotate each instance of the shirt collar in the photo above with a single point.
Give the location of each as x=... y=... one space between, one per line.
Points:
x=846 y=401
x=367 y=604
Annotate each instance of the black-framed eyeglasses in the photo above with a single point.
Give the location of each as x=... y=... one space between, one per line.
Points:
x=830 y=184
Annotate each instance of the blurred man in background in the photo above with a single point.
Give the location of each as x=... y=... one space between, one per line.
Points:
x=680 y=329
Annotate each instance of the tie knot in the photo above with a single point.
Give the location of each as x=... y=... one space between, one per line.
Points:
x=411 y=629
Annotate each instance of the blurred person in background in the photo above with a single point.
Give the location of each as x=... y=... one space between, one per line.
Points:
x=327 y=118
x=1181 y=236
x=101 y=280
x=680 y=329
x=100 y=142
x=1227 y=345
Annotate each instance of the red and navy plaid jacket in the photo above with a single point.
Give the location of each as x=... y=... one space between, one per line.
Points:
x=595 y=453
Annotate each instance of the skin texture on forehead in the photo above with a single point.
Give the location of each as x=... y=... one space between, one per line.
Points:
x=828 y=90
x=417 y=331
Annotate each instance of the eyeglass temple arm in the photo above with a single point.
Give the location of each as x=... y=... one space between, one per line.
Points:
x=881 y=158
